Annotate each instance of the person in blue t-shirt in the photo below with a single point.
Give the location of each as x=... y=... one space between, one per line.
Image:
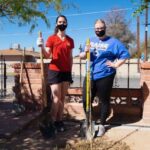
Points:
x=107 y=54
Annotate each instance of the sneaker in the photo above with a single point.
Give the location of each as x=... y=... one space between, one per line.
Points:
x=48 y=130
x=59 y=126
x=100 y=131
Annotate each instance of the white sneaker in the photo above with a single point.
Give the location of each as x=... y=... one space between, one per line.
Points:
x=100 y=130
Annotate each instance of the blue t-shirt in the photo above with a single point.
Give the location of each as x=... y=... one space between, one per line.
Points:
x=108 y=49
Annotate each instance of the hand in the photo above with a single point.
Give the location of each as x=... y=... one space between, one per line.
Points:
x=87 y=48
x=111 y=64
x=40 y=42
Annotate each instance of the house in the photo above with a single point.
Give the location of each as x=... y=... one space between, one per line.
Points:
x=16 y=55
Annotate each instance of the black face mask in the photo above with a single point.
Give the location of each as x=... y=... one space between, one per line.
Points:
x=61 y=27
x=100 y=33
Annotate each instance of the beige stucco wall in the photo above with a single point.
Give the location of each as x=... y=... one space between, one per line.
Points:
x=121 y=71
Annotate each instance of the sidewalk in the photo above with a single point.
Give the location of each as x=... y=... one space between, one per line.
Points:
x=11 y=123
x=136 y=137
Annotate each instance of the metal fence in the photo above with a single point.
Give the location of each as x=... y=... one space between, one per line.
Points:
x=127 y=76
x=3 y=77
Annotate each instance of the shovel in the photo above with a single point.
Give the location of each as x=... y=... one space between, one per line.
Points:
x=88 y=128
x=45 y=124
x=90 y=131
x=43 y=77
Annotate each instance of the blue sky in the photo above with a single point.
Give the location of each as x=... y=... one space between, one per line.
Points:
x=80 y=23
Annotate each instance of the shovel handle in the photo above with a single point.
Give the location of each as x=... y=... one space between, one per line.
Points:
x=44 y=94
x=88 y=87
x=90 y=126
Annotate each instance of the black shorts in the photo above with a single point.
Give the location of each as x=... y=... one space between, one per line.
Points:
x=58 y=77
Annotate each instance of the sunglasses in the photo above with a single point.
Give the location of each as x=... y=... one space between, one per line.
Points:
x=102 y=28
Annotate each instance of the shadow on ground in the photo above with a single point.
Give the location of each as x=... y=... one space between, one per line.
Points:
x=31 y=138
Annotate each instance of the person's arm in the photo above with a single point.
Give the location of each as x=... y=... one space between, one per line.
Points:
x=46 y=52
x=122 y=54
x=117 y=63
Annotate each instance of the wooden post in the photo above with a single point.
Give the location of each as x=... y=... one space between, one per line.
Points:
x=43 y=76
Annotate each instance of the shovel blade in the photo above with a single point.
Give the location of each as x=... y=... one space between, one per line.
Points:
x=86 y=130
x=90 y=132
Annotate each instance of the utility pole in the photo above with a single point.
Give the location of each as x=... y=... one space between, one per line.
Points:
x=138 y=41
x=80 y=48
x=146 y=32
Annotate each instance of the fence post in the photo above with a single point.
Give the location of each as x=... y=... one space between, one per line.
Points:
x=145 y=83
x=1 y=90
x=5 y=78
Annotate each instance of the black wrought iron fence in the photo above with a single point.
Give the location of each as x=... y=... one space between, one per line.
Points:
x=3 y=77
x=128 y=75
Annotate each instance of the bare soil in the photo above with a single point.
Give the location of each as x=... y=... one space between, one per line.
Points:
x=31 y=138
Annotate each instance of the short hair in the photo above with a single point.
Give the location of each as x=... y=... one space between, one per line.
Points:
x=101 y=21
